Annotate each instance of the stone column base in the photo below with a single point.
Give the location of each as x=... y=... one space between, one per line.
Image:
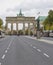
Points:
x=38 y=35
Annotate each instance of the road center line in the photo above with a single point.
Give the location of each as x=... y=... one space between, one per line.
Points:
x=7 y=48
x=3 y=56
x=34 y=47
x=46 y=55
x=5 y=51
x=9 y=44
x=31 y=45
x=0 y=63
x=38 y=50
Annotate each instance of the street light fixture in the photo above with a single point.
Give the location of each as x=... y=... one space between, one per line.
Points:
x=38 y=27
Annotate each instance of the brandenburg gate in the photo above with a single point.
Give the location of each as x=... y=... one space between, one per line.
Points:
x=21 y=19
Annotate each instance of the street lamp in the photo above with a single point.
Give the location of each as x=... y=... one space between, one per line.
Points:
x=38 y=27
x=38 y=24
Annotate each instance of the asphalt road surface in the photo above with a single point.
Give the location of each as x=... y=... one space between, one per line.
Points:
x=19 y=50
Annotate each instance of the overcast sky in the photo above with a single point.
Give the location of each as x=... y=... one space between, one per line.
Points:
x=29 y=7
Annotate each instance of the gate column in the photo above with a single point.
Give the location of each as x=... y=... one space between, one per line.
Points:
x=24 y=28
x=17 y=27
x=11 y=28
x=28 y=28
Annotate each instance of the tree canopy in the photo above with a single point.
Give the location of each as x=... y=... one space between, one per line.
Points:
x=48 y=23
x=1 y=22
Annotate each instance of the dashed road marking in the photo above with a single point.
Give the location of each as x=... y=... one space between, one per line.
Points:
x=34 y=47
x=46 y=55
x=5 y=51
x=3 y=56
x=31 y=45
x=0 y=63
x=38 y=50
x=7 y=48
x=9 y=44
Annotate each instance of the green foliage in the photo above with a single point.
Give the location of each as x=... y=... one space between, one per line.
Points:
x=9 y=33
x=26 y=32
x=5 y=27
x=50 y=17
x=1 y=22
x=31 y=33
x=14 y=32
x=20 y=32
x=48 y=23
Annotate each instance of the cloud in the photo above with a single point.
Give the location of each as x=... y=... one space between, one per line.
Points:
x=29 y=7
x=34 y=4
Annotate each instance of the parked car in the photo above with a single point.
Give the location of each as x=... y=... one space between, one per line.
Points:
x=48 y=33
x=51 y=34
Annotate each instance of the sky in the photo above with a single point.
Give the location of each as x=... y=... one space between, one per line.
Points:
x=28 y=7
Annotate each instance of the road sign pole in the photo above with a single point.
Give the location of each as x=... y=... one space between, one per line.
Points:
x=38 y=28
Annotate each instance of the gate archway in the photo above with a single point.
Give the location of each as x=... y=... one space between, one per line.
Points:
x=31 y=23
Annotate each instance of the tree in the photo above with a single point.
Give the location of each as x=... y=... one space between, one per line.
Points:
x=20 y=32
x=1 y=22
x=14 y=32
x=31 y=33
x=26 y=32
x=48 y=23
x=5 y=27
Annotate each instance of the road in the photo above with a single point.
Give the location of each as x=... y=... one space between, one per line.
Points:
x=19 y=50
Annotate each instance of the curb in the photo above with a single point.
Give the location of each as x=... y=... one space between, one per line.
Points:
x=43 y=40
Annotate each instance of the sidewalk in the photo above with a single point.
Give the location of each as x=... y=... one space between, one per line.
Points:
x=43 y=40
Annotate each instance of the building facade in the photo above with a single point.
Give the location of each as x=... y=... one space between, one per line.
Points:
x=21 y=19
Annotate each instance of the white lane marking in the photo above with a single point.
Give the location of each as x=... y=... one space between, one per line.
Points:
x=7 y=48
x=3 y=56
x=0 y=63
x=34 y=47
x=9 y=44
x=38 y=50
x=46 y=55
x=31 y=45
x=5 y=51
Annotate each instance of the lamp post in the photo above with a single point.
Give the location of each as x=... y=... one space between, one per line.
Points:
x=38 y=28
